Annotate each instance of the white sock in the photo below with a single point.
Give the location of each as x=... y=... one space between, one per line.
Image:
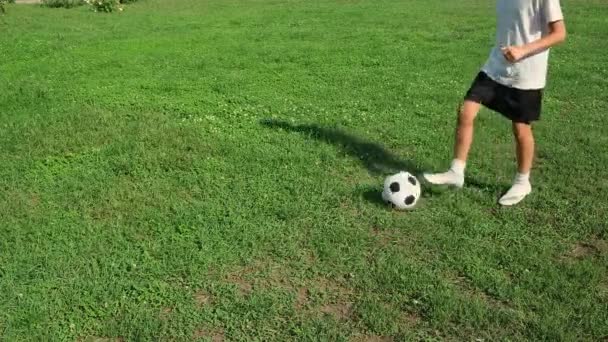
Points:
x=519 y=190
x=458 y=166
x=454 y=176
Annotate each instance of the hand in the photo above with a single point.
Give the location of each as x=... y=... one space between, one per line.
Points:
x=513 y=53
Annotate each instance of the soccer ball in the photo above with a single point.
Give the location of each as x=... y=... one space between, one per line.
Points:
x=401 y=190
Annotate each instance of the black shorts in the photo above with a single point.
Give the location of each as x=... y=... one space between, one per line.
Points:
x=518 y=105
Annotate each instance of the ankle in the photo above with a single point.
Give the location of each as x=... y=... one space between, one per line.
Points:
x=458 y=166
x=522 y=178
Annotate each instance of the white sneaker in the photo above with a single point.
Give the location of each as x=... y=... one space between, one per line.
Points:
x=516 y=194
x=450 y=178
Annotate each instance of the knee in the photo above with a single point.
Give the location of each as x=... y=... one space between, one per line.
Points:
x=523 y=132
x=465 y=118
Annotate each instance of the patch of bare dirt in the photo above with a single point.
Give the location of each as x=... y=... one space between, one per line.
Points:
x=372 y=338
x=591 y=248
x=245 y=288
x=202 y=298
x=302 y=298
x=410 y=319
x=101 y=339
x=340 y=311
x=216 y=335
x=165 y=312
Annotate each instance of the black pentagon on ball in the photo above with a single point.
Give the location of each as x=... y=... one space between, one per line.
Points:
x=412 y=180
x=409 y=200
x=395 y=187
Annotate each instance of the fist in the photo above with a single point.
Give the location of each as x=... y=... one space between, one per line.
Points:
x=513 y=53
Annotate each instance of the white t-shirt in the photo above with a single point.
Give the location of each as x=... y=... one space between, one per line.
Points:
x=521 y=22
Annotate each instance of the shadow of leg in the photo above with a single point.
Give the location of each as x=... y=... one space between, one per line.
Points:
x=373 y=156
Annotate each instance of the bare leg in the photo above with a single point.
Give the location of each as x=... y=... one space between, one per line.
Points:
x=464 y=130
x=467 y=113
x=524 y=144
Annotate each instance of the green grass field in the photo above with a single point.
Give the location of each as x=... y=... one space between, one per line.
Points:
x=211 y=169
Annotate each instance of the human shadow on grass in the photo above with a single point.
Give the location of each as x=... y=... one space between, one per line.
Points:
x=374 y=157
x=373 y=195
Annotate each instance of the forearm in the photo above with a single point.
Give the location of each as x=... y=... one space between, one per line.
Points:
x=556 y=36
